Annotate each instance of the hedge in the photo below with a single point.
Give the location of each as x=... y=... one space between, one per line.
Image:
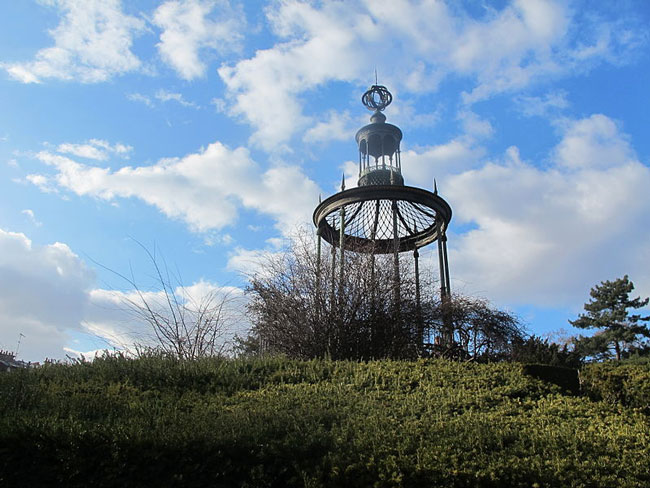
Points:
x=276 y=422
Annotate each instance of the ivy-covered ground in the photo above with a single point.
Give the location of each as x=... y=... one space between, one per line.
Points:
x=156 y=421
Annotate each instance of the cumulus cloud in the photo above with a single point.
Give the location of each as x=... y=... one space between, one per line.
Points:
x=204 y=189
x=188 y=31
x=594 y=142
x=335 y=127
x=92 y=43
x=502 y=50
x=43 y=293
x=544 y=236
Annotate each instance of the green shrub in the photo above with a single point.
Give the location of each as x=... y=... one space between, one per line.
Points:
x=277 y=422
x=535 y=350
x=618 y=383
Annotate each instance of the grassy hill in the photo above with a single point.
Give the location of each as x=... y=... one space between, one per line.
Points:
x=277 y=422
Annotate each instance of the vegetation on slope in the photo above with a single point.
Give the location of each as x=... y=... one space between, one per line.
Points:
x=319 y=423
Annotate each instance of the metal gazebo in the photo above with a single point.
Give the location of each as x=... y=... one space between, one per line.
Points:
x=381 y=215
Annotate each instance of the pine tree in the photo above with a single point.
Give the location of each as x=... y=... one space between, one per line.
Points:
x=607 y=311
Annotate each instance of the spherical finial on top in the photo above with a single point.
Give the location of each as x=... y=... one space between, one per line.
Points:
x=377 y=98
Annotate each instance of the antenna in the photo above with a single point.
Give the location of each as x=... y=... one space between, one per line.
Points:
x=376 y=82
x=20 y=337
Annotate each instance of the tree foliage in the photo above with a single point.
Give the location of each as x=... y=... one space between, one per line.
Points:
x=618 y=332
x=535 y=350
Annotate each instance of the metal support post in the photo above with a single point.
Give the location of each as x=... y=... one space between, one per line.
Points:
x=441 y=263
x=396 y=278
x=342 y=253
x=446 y=263
x=333 y=278
x=319 y=240
x=418 y=305
x=447 y=333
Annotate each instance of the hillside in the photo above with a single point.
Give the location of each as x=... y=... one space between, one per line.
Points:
x=277 y=422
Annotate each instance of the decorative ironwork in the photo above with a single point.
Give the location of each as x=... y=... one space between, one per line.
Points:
x=382 y=215
x=377 y=98
x=369 y=218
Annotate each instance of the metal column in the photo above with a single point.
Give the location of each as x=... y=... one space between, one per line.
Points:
x=396 y=277
x=342 y=254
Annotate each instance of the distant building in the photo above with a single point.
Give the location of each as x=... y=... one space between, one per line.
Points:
x=8 y=362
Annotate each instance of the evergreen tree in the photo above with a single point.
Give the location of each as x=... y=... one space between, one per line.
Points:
x=618 y=331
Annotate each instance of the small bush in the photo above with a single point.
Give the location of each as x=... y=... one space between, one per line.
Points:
x=618 y=383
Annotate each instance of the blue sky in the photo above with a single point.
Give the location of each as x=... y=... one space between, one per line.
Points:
x=208 y=128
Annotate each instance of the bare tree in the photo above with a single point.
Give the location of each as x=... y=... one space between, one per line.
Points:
x=304 y=307
x=300 y=306
x=181 y=321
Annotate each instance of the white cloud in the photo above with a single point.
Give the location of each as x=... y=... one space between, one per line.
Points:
x=474 y=126
x=87 y=151
x=188 y=32
x=219 y=104
x=420 y=167
x=43 y=292
x=212 y=238
x=544 y=236
x=409 y=113
x=334 y=127
x=32 y=218
x=504 y=50
x=165 y=96
x=92 y=43
x=594 y=142
x=259 y=262
x=140 y=98
x=42 y=182
x=97 y=149
x=204 y=189
x=542 y=106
